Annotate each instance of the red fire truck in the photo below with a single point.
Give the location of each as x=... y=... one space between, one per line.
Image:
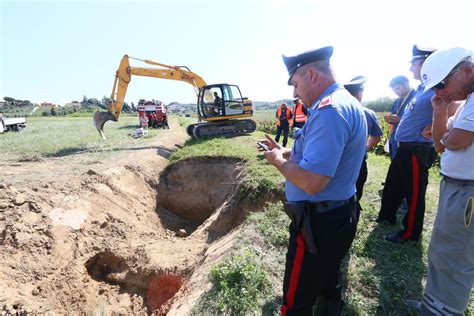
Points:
x=155 y=111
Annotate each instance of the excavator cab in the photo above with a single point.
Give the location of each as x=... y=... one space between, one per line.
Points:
x=222 y=107
x=222 y=101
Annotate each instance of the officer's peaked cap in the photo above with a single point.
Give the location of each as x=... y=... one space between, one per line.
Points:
x=421 y=52
x=292 y=63
x=358 y=80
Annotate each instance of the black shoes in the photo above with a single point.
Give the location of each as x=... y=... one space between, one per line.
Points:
x=397 y=237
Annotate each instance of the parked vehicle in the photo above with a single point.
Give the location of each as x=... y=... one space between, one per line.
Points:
x=12 y=124
x=155 y=111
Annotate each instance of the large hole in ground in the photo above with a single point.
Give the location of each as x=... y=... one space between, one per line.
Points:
x=192 y=189
x=157 y=288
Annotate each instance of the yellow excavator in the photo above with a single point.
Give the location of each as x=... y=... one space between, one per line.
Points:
x=220 y=107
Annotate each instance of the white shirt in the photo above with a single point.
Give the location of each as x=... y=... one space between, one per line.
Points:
x=459 y=164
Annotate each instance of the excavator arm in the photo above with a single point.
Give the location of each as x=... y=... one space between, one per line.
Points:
x=123 y=76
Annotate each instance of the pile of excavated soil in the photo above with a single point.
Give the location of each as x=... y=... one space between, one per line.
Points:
x=124 y=236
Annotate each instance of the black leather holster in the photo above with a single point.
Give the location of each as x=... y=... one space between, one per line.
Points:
x=300 y=216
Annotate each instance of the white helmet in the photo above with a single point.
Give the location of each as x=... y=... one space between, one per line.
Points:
x=439 y=64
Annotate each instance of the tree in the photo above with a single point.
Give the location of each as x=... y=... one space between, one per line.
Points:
x=126 y=107
x=105 y=102
x=84 y=101
x=382 y=104
x=8 y=99
x=53 y=111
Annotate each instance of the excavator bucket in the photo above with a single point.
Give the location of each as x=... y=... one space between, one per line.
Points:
x=100 y=118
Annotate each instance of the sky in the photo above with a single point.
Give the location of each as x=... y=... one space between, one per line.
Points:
x=59 y=51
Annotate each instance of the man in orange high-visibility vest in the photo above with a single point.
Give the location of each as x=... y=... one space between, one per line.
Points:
x=300 y=112
x=284 y=116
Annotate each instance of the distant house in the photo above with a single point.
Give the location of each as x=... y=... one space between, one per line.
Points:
x=73 y=104
x=48 y=105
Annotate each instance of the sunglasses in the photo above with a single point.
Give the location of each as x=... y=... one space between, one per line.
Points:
x=443 y=83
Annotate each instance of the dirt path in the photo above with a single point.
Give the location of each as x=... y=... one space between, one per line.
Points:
x=92 y=238
x=59 y=168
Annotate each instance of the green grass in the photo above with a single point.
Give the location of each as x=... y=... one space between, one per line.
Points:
x=238 y=284
x=64 y=136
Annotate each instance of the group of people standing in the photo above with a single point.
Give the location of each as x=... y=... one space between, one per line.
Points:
x=287 y=118
x=325 y=171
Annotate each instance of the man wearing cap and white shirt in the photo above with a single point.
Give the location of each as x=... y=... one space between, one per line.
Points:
x=450 y=73
x=320 y=170
x=374 y=131
x=407 y=176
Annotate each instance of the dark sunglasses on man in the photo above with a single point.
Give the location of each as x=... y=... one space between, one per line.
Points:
x=443 y=83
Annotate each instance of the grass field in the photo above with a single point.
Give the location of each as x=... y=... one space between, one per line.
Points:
x=61 y=136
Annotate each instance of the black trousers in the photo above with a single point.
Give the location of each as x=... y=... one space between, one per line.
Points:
x=286 y=129
x=308 y=275
x=361 y=180
x=407 y=177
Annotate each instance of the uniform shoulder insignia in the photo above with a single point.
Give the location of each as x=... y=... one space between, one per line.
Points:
x=325 y=102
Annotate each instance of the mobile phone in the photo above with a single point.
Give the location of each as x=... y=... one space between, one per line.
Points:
x=263 y=146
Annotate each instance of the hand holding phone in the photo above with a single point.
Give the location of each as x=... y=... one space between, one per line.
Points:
x=263 y=146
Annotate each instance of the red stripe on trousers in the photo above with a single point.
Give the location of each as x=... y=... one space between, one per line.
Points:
x=295 y=274
x=414 y=198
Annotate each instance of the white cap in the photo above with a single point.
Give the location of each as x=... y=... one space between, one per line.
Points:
x=439 y=64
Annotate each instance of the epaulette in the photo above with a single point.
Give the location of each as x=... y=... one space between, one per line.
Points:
x=325 y=102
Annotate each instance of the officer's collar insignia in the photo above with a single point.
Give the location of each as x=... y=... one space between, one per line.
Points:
x=325 y=102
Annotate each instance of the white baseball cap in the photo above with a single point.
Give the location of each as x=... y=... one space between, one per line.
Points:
x=439 y=64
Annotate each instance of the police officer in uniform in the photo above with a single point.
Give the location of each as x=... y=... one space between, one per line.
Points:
x=407 y=175
x=300 y=113
x=401 y=87
x=356 y=89
x=320 y=170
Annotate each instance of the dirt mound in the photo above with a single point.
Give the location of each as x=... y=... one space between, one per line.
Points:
x=119 y=238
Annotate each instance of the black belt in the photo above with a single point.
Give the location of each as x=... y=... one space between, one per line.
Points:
x=461 y=182
x=324 y=206
x=415 y=144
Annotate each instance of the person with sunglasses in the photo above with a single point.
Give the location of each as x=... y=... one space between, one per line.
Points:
x=450 y=74
x=407 y=176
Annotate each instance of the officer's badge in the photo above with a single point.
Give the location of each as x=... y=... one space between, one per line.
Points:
x=411 y=105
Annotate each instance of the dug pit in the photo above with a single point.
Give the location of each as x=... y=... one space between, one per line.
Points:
x=117 y=245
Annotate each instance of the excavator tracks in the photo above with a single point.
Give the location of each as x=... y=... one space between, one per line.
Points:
x=222 y=128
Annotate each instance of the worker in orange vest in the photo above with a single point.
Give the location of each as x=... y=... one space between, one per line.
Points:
x=284 y=116
x=300 y=113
